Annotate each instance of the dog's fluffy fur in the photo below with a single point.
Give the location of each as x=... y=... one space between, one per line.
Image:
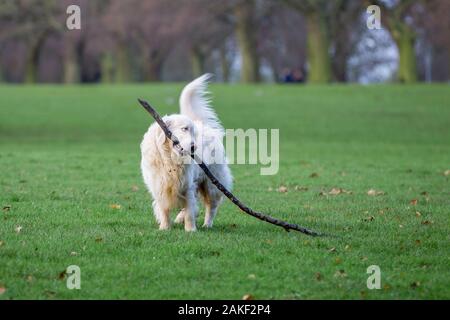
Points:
x=173 y=180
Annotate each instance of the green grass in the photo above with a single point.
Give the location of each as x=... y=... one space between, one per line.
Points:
x=68 y=153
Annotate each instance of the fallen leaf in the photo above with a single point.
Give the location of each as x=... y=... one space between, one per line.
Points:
x=62 y=275
x=427 y=222
x=413 y=202
x=282 y=189
x=314 y=175
x=338 y=260
x=299 y=188
x=386 y=287
x=418 y=214
x=347 y=247
x=424 y=193
x=2 y=243
x=30 y=278
x=2 y=290
x=447 y=173
x=18 y=229
x=247 y=297
x=373 y=192
x=270 y=189
x=335 y=192
x=369 y=218
x=333 y=249
x=318 y=276
x=99 y=239
x=340 y=274
x=134 y=188
x=418 y=242
x=400 y=226
x=115 y=206
x=415 y=284
x=50 y=293
x=251 y=276
x=73 y=253
x=6 y=208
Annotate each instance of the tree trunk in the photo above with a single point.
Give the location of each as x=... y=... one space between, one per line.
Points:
x=198 y=62
x=153 y=70
x=339 y=62
x=107 y=68
x=32 y=61
x=405 y=39
x=71 y=64
x=317 y=48
x=224 y=64
x=246 y=37
x=123 y=67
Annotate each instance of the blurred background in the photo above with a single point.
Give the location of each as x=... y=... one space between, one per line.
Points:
x=300 y=41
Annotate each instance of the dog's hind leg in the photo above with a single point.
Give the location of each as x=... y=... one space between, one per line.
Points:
x=210 y=213
x=212 y=199
x=190 y=212
x=180 y=217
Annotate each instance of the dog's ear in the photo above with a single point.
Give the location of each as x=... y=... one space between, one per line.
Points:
x=161 y=136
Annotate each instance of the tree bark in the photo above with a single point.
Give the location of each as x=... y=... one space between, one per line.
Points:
x=32 y=61
x=246 y=37
x=198 y=62
x=405 y=39
x=123 y=66
x=224 y=64
x=153 y=70
x=317 y=49
x=107 y=68
x=71 y=64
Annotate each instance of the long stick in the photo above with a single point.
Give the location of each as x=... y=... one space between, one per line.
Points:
x=287 y=226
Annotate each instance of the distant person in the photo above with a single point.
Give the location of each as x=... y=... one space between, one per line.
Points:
x=298 y=76
x=287 y=76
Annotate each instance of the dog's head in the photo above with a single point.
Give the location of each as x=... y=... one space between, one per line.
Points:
x=184 y=129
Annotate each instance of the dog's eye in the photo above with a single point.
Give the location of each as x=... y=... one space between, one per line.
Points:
x=184 y=129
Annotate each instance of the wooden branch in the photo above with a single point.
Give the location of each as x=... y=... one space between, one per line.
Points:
x=261 y=216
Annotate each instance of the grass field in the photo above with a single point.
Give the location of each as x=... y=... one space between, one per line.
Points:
x=72 y=194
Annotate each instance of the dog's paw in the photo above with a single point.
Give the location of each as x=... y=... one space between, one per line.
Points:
x=207 y=225
x=164 y=227
x=190 y=228
x=180 y=218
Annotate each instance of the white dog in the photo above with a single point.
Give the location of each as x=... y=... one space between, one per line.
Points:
x=172 y=178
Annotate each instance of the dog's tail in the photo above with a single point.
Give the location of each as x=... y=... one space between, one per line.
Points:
x=195 y=103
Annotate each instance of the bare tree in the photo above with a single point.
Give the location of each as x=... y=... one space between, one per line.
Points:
x=399 y=17
x=30 y=21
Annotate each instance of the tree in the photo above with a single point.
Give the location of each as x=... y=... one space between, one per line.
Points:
x=344 y=29
x=398 y=17
x=434 y=24
x=31 y=21
x=318 y=38
x=244 y=13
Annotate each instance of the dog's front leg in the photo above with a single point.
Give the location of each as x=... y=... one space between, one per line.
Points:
x=163 y=216
x=190 y=212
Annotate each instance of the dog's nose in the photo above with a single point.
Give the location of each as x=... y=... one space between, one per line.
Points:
x=193 y=147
